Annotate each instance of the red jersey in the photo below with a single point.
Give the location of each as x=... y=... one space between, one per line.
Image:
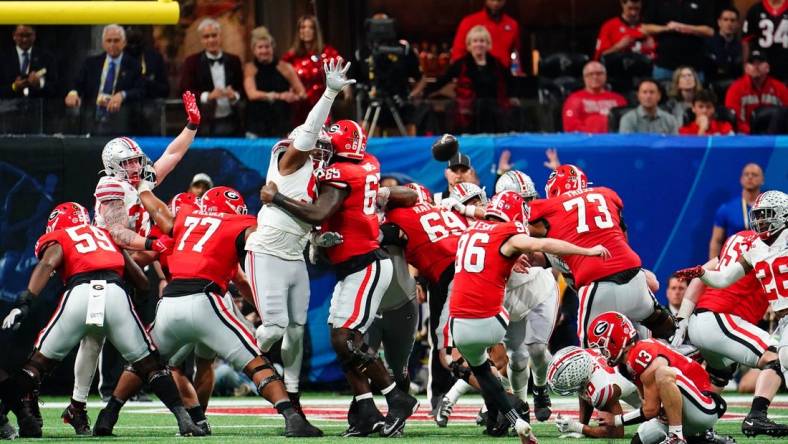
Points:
x=309 y=69
x=744 y=98
x=504 y=32
x=432 y=237
x=746 y=297
x=588 y=218
x=85 y=248
x=587 y=112
x=356 y=220
x=205 y=245
x=615 y=29
x=643 y=353
x=716 y=127
x=481 y=270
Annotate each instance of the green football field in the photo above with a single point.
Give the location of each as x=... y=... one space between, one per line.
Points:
x=236 y=420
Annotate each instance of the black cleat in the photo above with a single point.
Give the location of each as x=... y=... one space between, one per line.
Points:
x=481 y=417
x=105 y=422
x=401 y=407
x=710 y=437
x=31 y=404
x=542 y=403
x=28 y=426
x=186 y=427
x=205 y=426
x=754 y=425
x=295 y=401
x=296 y=426
x=77 y=418
x=365 y=426
x=497 y=424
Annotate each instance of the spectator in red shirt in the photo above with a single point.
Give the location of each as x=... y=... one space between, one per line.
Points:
x=624 y=33
x=755 y=89
x=503 y=29
x=586 y=110
x=704 y=123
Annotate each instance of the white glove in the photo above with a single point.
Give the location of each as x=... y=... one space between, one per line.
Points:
x=680 y=334
x=383 y=196
x=568 y=425
x=326 y=240
x=336 y=74
x=10 y=319
x=147 y=178
x=451 y=203
x=314 y=254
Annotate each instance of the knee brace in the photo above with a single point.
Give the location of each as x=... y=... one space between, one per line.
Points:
x=662 y=323
x=267 y=335
x=777 y=365
x=721 y=377
x=266 y=365
x=352 y=351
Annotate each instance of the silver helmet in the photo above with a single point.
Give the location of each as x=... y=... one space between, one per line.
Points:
x=466 y=191
x=322 y=152
x=116 y=155
x=519 y=182
x=570 y=370
x=769 y=213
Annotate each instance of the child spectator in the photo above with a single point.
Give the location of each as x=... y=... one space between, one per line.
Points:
x=704 y=123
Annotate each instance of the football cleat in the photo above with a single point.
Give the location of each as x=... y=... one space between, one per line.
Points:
x=187 y=427
x=754 y=425
x=295 y=401
x=365 y=426
x=710 y=437
x=401 y=407
x=673 y=439
x=542 y=403
x=297 y=426
x=31 y=404
x=7 y=431
x=444 y=411
x=78 y=419
x=105 y=422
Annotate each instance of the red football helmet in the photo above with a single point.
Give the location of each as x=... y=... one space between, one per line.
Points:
x=348 y=139
x=565 y=178
x=610 y=333
x=180 y=200
x=68 y=214
x=424 y=195
x=223 y=200
x=507 y=206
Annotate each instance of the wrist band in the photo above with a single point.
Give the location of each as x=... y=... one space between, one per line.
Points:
x=148 y=243
x=192 y=126
x=470 y=210
x=629 y=418
x=278 y=199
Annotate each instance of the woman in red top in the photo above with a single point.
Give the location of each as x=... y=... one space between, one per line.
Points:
x=307 y=55
x=704 y=123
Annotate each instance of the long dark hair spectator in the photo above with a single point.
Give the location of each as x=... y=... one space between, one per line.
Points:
x=299 y=48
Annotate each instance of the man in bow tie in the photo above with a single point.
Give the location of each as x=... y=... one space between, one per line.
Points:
x=216 y=78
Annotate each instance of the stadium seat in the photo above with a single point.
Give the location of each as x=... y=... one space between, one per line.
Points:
x=726 y=115
x=626 y=69
x=614 y=117
x=720 y=88
x=563 y=64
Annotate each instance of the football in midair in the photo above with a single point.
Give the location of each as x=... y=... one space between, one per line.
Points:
x=444 y=148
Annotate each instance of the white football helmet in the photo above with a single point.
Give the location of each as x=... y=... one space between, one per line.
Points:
x=570 y=370
x=466 y=191
x=769 y=213
x=519 y=182
x=117 y=156
x=321 y=154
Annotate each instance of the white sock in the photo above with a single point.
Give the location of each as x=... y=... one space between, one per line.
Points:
x=292 y=356
x=85 y=366
x=519 y=382
x=458 y=389
x=676 y=430
x=363 y=396
x=388 y=389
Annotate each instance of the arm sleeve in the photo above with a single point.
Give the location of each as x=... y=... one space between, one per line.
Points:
x=723 y=278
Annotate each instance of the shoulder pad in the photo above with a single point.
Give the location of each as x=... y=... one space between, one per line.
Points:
x=109 y=188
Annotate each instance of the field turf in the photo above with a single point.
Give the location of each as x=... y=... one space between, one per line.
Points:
x=240 y=420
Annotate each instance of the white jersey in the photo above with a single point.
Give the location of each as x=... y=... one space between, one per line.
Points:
x=111 y=188
x=278 y=233
x=524 y=291
x=771 y=268
x=599 y=389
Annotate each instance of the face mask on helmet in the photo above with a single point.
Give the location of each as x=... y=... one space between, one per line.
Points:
x=223 y=200
x=348 y=139
x=769 y=214
x=123 y=159
x=564 y=179
x=66 y=215
x=465 y=192
x=321 y=154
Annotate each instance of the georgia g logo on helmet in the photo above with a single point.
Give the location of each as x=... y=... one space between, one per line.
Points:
x=601 y=328
x=231 y=195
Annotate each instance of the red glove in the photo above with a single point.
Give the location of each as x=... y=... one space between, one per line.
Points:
x=190 y=105
x=160 y=245
x=688 y=274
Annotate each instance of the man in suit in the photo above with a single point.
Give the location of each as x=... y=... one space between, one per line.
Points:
x=107 y=82
x=27 y=71
x=216 y=78
x=152 y=64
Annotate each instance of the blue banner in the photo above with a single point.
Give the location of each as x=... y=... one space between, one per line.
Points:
x=671 y=188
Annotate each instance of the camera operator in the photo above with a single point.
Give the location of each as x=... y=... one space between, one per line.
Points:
x=388 y=68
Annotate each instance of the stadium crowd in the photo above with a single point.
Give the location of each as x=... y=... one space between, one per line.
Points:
x=659 y=67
